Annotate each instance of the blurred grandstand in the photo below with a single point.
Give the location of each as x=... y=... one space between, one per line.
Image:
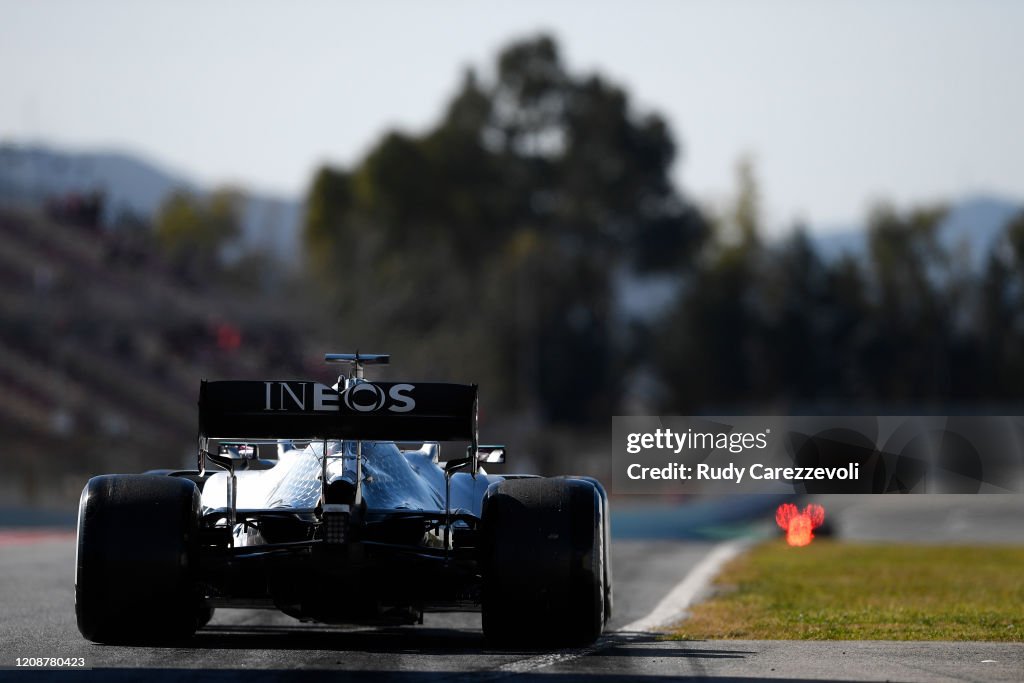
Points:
x=102 y=344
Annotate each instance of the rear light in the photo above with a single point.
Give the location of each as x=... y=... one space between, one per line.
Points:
x=336 y=518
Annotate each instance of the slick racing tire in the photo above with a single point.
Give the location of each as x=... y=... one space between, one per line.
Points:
x=543 y=563
x=606 y=516
x=135 y=566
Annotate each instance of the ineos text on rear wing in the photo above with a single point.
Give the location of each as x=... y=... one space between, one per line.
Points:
x=364 y=411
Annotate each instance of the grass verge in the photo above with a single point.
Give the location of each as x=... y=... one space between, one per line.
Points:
x=845 y=591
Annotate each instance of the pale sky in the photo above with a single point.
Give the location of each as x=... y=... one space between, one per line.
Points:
x=838 y=103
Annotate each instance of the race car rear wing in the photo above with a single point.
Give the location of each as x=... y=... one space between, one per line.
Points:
x=366 y=411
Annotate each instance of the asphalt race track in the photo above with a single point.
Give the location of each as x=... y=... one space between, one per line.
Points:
x=37 y=602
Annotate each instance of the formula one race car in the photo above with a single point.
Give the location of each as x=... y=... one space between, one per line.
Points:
x=358 y=520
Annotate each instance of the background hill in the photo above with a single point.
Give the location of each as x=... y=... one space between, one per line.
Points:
x=29 y=174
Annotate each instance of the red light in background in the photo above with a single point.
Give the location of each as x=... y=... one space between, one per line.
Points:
x=229 y=337
x=799 y=526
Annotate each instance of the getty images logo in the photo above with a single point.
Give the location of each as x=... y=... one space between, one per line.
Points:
x=363 y=397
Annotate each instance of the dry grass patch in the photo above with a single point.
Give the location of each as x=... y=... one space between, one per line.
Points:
x=847 y=591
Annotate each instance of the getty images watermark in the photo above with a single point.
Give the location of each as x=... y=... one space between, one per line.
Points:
x=777 y=454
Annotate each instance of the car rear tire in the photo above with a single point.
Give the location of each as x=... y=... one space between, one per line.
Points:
x=135 y=566
x=543 y=563
x=606 y=516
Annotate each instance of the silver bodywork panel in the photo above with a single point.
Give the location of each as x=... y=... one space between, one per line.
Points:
x=392 y=479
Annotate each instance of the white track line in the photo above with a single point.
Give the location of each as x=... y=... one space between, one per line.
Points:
x=666 y=612
x=685 y=592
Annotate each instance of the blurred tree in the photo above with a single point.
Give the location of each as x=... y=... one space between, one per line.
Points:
x=767 y=323
x=746 y=210
x=194 y=231
x=710 y=345
x=329 y=201
x=178 y=221
x=1000 y=318
x=794 y=309
x=908 y=356
x=489 y=243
